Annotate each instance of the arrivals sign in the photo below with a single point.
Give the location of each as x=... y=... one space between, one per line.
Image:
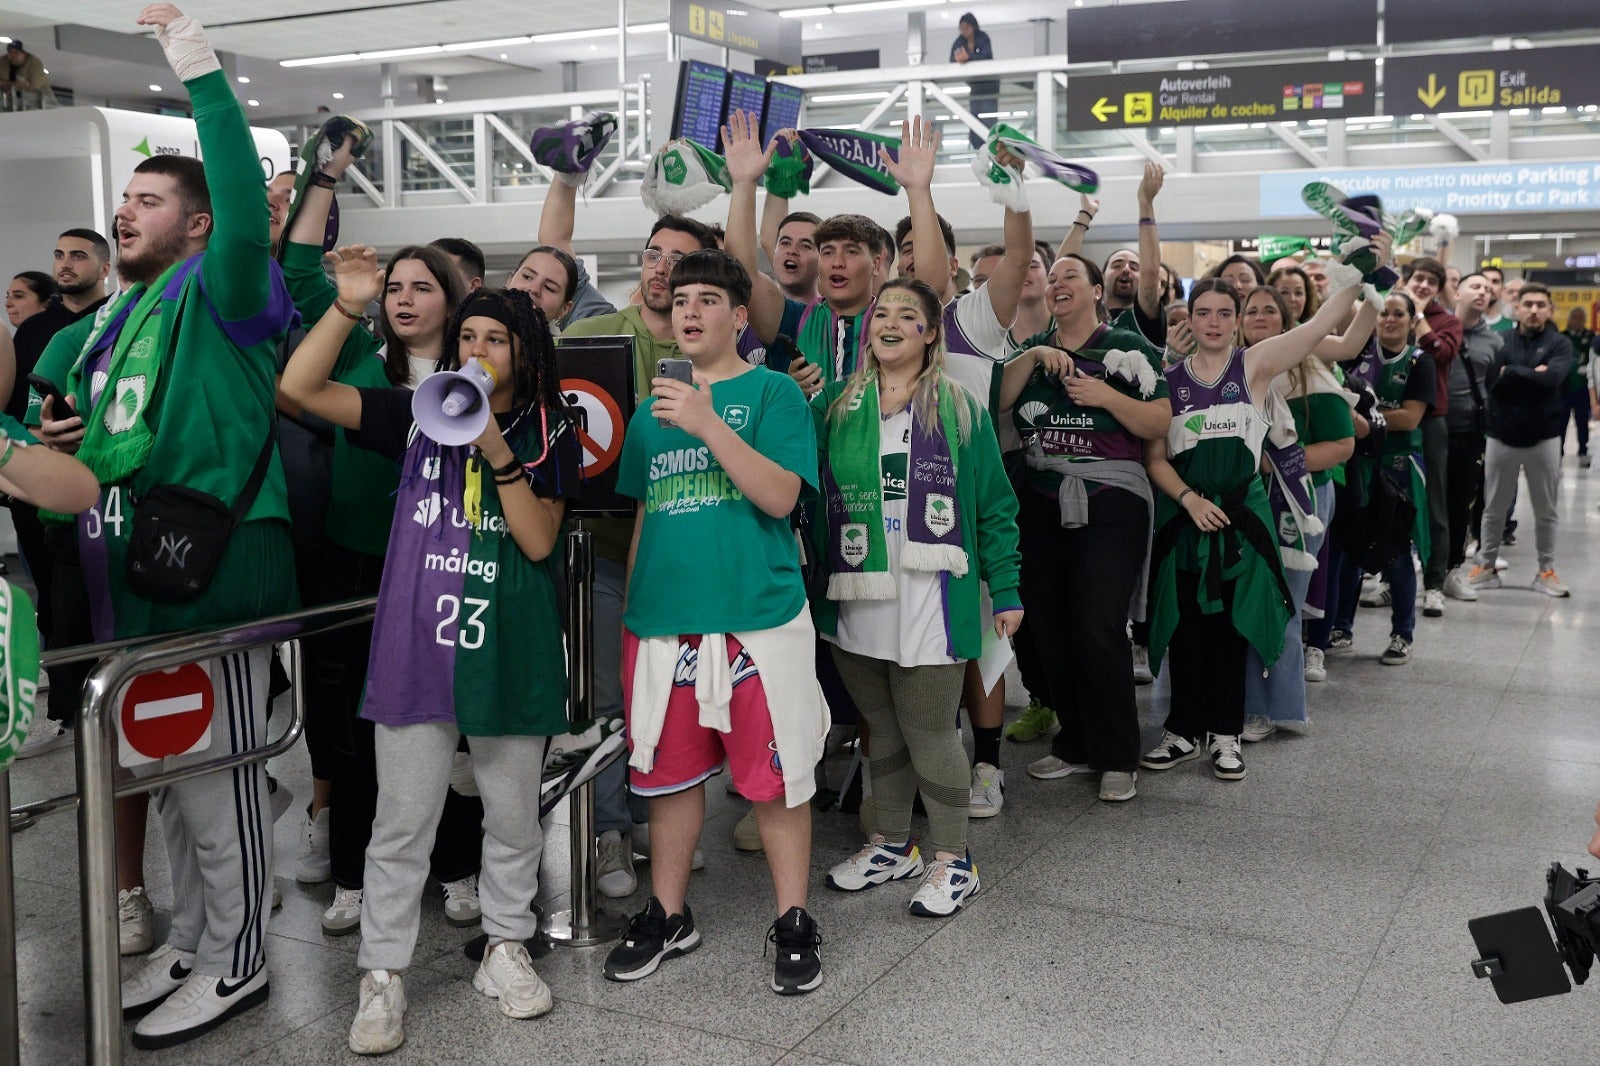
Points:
x=740 y=27
x=1280 y=92
x=1461 y=190
x=1493 y=81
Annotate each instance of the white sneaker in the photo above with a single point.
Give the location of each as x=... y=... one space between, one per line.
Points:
x=1227 y=762
x=379 y=1026
x=1500 y=565
x=1433 y=603
x=1051 y=767
x=946 y=887
x=315 y=864
x=1457 y=587
x=461 y=907
x=988 y=791
x=615 y=866
x=162 y=974
x=202 y=1004
x=1141 y=665
x=506 y=973
x=1374 y=591
x=1258 y=727
x=345 y=914
x=136 y=919
x=1117 y=786
x=1548 y=583
x=640 y=837
x=878 y=863
x=747 y=834
x=1316 y=666
x=47 y=735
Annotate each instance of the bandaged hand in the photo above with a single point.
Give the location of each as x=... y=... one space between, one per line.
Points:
x=183 y=39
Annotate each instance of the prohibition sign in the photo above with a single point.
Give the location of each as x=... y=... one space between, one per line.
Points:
x=598 y=422
x=167 y=713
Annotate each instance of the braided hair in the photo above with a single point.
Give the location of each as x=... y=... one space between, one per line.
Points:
x=536 y=382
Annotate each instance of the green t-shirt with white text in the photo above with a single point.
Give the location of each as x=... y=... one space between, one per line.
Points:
x=710 y=560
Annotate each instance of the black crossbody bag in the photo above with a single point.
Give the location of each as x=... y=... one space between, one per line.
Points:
x=180 y=534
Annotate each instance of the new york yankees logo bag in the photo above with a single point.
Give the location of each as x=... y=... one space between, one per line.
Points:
x=179 y=535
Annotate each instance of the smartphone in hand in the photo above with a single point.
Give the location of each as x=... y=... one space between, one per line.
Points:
x=678 y=370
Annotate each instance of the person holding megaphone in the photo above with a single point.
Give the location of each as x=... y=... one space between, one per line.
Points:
x=467 y=639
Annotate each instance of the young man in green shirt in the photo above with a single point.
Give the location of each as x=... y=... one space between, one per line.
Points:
x=176 y=381
x=718 y=653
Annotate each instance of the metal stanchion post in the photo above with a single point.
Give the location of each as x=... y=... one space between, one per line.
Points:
x=97 y=862
x=585 y=923
x=10 y=1024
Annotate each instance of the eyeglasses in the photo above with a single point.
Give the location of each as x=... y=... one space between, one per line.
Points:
x=654 y=256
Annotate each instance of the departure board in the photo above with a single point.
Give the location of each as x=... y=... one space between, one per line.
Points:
x=747 y=92
x=702 y=98
x=783 y=109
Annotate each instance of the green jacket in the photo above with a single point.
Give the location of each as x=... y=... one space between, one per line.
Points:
x=361 y=507
x=214 y=401
x=988 y=507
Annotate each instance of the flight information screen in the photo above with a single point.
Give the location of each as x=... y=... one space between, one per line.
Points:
x=702 y=99
x=747 y=92
x=783 y=108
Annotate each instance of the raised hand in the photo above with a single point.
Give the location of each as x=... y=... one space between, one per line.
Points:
x=162 y=15
x=741 y=139
x=919 y=146
x=1155 y=175
x=1089 y=205
x=357 y=276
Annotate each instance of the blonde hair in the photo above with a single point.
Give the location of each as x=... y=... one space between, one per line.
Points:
x=925 y=387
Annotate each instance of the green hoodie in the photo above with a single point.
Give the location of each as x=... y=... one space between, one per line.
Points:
x=988 y=508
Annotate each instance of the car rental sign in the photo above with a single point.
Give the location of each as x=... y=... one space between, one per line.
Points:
x=1278 y=92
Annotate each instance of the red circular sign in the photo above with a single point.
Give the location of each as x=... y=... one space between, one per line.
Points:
x=599 y=424
x=167 y=712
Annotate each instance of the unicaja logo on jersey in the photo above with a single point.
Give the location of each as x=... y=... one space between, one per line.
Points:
x=939 y=514
x=124 y=409
x=737 y=416
x=428 y=510
x=430 y=468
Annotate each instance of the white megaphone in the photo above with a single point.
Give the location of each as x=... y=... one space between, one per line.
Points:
x=452 y=406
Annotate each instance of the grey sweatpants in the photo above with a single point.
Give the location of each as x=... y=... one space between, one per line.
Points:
x=1541 y=464
x=219 y=832
x=915 y=745
x=413 y=776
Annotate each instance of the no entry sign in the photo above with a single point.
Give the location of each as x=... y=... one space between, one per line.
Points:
x=166 y=713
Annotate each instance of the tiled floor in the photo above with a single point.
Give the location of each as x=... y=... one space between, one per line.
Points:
x=1315 y=913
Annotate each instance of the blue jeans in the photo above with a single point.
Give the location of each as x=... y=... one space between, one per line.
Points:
x=1279 y=693
x=1402 y=578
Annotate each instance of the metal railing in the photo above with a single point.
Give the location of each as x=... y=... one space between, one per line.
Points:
x=98 y=789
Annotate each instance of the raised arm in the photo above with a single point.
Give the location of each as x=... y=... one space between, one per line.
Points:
x=1266 y=359
x=1347 y=345
x=773 y=211
x=919 y=145
x=305 y=382
x=1005 y=283
x=558 y=217
x=1149 y=295
x=1072 y=243
x=235 y=268
x=746 y=163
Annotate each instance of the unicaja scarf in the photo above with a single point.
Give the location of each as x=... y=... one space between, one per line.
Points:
x=856 y=155
x=19 y=669
x=858 y=552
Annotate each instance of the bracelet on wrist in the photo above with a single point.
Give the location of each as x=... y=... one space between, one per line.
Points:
x=1182 y=494
x=346 y=312
x=511 y=467
x=323 y=180
x=511 y=479
x=1089 y=214
x=1085 y=225
x=1147 y=221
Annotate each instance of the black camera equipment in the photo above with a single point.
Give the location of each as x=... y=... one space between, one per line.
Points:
x=1516 y=953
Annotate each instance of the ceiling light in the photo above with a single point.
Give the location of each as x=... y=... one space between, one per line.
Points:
x=253 y=103
x=804 y=12
x=473 y=46
x=338 y=96
x=649 y=27
x=883 y=5
x=574 y=35
x=318 y=61
x=362 y=57
x=504 y=56
x=847 y=98
x=155 y=88
x=819 y=25
x=594 y=48
x=243 y=80
x=399 y=53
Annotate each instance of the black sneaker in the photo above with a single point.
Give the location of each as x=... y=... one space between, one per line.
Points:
x=1398 y=653
x=652 y=937
x=798 y=968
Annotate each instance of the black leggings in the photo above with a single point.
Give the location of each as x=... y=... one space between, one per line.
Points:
x=69 y=621
x=1464 y=492
x=339 y=675
x=1207 y=658
x=1077 y=585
